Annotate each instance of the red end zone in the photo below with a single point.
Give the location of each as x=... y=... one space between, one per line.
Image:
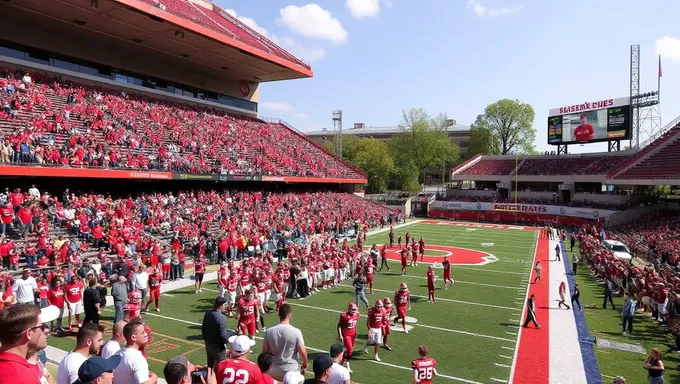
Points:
x=457 y=256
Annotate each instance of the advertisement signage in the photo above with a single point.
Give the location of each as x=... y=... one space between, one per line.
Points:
x=191 y=176
x=590 y=122
x=555 y=210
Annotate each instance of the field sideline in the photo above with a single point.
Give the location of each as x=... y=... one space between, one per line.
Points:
x=472 y=331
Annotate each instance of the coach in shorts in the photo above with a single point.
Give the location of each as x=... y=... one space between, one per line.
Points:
x=286 y=344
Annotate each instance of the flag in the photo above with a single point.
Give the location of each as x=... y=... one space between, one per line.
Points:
x=660 y=73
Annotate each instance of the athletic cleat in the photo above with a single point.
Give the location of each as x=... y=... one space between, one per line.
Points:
x=388 y=347
x=376 y=358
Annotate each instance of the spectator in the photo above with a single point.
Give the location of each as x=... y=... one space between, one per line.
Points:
x=88 y=342
x=97 y=370
x=140 y=282
x=286 y=344
x=293 y=378
x=339 y=374
x=92 y=302
x=119 y=292
x=23 y=332
x=179 y=371
x=654 y=365
x=133 y=367
x=25 y=288
x=628 y=314
x=264 y=362
x=112 y=346
x=322 y=367
x=240 y=351
x=215 y=333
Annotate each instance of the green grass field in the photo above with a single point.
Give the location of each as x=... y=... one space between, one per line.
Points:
x=471 y=331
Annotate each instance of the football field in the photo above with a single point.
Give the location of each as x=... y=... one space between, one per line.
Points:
x=471 y=331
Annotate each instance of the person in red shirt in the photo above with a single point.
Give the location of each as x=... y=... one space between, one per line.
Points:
x=24 y=216
x=431 y=277
x=370 y=270
x=16 y=198
x=16 y=345
x=55 y=296
x=43 y=288
x=199 y=271
x=6 y=216
x=421 y=249
x=29 y=253
x=155 y=281
x=376 y=316
x=222 y=279
x=247 y=314
x=74 y=295
x=134 y=305
x=237 y=369
x=386 y=322
x=347 y=331
x=404 y=261
x=230 y=296
x=264 y=362
x=584 y=132
x=279 y=295
x=424 y=368
x=447 y=272
x=402 y=299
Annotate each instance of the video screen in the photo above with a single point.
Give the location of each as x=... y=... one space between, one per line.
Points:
x=590 y=126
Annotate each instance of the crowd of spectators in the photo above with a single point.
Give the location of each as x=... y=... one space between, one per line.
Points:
x=47 y=122
x=543 y=166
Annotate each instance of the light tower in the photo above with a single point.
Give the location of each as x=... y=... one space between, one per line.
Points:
x=337 y=131
x=645 y=114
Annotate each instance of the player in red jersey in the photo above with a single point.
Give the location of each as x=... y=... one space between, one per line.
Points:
x=222 y=279
x=261 y=288
x=232 y=285
x=134 y=305
x=402 y=299
x=247 y=314
x=155 y=281
x=424 y=368
x=374 y=324
x=279 y=295
x=414 y=255
x=347 y=331
x=421 y=249
x=399 y=241
x=447 y=272
x=199 y=271
x=407 y=237
x=386 y=322
x=404 y=260
x=584 y=132
x=370 y=270
x=431 y=277
x=237 y=369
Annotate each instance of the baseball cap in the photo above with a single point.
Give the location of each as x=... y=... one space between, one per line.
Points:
x=95 y=366
x=321 y=364
x=240 y=345
x=181 y=360
x=220 y=301
x=49 y=313
x=337 y=349
x=293 y=377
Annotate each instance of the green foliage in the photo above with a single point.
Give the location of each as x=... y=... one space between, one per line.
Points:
x=423 y=143
x=510 y=123
x=373 y=157
x=481 y=141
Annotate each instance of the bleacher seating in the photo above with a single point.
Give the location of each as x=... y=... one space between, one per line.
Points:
x=489 y=167
x=52 y=123
x=662 y=164
x=557 y=166
x=218 y=20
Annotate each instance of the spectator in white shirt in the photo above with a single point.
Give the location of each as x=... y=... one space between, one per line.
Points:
x=25 y=287
x=90 y=338
x=339 y=374
x=140 y=280
x=34 y=193
x=112 y=346
x=133 y=368
x=27 y=81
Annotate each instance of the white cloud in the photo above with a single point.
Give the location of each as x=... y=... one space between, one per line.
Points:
x=314 y=22
x=363 y=8
x=276 y=106
x=388 y=4
x=300 y=115
x=249 y=22
x=668 y=47
x=482 y=10
x=307 y=54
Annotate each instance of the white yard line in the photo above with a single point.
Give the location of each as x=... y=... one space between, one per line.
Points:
x=466 y=282
x=490 y=270
x=502 y=365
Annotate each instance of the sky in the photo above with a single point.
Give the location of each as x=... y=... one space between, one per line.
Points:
x=374 y=58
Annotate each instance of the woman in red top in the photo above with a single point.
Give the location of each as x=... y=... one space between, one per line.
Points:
x=74 y=295
x=199 y=270
x=55 y=296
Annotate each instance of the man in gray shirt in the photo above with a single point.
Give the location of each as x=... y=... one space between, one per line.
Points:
x=285 y=342
x=119 y=292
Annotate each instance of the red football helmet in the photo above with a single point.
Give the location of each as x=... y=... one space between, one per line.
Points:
x=369 y=261
x=352 y=308
x=430 y=267
x=403 y=286
x=135 y=297
x=387 y=301
x=378 y=303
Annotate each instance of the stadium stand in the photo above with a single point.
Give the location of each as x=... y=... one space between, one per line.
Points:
x=53 y=123
x=490 y=167
x=645 y=163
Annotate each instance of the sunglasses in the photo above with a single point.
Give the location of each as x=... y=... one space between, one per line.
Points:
x=42 y=327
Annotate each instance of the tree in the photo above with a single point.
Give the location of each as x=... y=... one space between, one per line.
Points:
x=481 y=141
x=423 y=143
x=373 y=157
x=510 y=123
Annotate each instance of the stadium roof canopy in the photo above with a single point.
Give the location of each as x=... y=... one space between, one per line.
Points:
x=391 y=130
x=152 y=29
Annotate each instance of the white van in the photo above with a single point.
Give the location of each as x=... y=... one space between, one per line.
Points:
x=619 y=249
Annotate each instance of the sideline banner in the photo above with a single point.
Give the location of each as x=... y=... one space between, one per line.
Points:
x=191 y=176
x=36 y=171
x=555 y=210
